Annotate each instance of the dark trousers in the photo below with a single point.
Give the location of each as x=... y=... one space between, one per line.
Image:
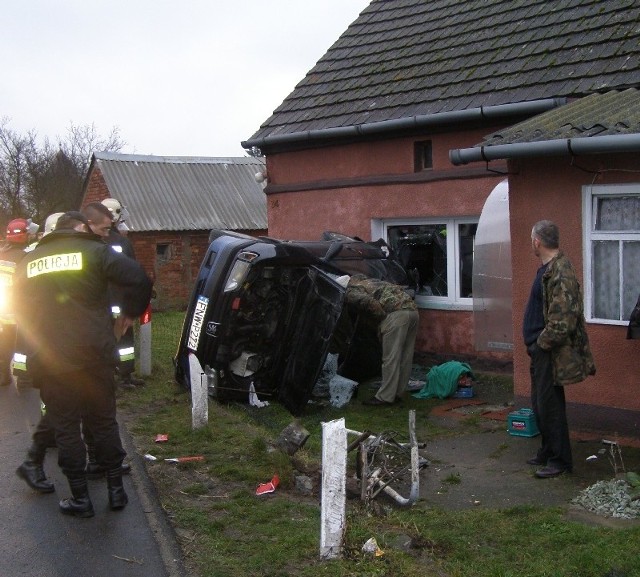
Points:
x=548 y=403
x=89 y=395
x=43 y=437
x=7 y=348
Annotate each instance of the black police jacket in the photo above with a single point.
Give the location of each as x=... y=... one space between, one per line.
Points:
x=62 y=306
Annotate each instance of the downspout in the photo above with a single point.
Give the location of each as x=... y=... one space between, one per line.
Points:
x=425 y=121
x=608 y=144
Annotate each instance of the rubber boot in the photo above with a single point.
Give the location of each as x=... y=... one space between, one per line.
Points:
x=79 y=505
x=117 y=496
x=32 y=471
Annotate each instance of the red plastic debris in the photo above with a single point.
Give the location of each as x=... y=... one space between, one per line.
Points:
x=269 y=487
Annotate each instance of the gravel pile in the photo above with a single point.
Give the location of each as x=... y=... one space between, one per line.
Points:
x=611 y=499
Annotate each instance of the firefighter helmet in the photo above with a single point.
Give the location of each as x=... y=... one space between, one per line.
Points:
x=50 y=223
x=17 y=231
x=115 y=208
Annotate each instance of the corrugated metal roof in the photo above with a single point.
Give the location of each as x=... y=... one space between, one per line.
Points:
x=185 y=193
x=411 y=58
x=606 y=114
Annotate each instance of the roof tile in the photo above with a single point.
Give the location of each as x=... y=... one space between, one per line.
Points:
x=409 y=57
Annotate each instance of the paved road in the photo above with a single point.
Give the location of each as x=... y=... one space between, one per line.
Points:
x=36 y=540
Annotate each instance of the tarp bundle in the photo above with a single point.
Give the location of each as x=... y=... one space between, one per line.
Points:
x=442 y=380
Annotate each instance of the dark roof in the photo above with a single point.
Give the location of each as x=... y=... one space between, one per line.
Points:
x=409 y=58
x=185 y=193
x=595 y=124
x=596 y=115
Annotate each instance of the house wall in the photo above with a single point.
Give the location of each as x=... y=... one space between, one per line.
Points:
x=342 y=188
x=551 y=188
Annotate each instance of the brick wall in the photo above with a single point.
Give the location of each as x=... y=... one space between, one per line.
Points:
x=97 y=189
x=172 y=259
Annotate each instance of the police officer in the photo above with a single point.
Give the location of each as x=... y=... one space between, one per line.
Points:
x=32 y=469
x=71 y=350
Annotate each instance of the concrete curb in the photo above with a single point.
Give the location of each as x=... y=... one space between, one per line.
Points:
x=160 y=526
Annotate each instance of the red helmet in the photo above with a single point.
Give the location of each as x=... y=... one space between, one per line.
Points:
x=17 y=231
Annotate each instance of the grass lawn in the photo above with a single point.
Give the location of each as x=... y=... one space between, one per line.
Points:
x=225 y=530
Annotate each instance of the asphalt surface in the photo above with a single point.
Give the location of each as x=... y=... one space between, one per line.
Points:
x=36 y=540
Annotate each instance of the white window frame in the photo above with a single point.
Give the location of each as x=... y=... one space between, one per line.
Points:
x=379 y=229
x=590 y=194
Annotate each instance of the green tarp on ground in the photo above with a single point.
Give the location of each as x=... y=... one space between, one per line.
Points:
x=442 y=380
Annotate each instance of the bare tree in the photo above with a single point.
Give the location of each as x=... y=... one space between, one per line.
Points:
x=16 y=154
x=37 y=180
x=82 y=141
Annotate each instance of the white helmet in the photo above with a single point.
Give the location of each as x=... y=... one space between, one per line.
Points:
x=50 y=223
x=115 y=208
x=32 y=227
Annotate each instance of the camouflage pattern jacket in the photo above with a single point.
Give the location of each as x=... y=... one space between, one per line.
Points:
x=564 y=333
x=376 y=297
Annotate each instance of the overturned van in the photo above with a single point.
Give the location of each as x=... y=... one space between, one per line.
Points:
x=264 y=313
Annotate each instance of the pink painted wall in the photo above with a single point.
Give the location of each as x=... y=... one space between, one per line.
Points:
x=343 y=188
x=551 y=188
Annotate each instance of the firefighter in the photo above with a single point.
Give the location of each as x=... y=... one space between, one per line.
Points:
x=120 y=243
x=19 y=233
x=71 y=350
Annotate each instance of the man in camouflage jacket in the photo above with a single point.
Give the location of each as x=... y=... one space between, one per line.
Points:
x=557 y=342
x=397 y=316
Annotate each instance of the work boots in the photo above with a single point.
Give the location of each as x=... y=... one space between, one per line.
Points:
x=117 y=496
x=32 y=471
x=79 y=505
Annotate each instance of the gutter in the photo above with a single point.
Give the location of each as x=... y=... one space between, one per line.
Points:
x=611 y=143
x=425 y=121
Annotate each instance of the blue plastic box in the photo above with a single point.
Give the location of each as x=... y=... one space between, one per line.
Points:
x=522 y=423
x=463 y=393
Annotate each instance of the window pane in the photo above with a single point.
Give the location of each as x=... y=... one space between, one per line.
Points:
x=631 y=276
x=618 y=213
x=466 y=242
x=606 y=280
x=422 y=250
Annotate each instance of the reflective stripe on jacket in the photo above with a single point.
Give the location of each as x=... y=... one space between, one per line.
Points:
x=62 y=306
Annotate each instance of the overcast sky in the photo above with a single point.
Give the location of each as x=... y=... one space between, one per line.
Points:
x=188 y=78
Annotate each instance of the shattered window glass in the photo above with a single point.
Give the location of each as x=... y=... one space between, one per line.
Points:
x=437 y=256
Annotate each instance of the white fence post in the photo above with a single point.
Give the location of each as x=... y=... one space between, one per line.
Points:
x=199 y=396
x=145 y=343
x=333 y=502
